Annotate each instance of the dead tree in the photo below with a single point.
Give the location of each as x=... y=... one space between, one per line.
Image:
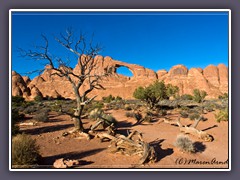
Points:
x=85 y=52
x=192 y=130
x=133 y=144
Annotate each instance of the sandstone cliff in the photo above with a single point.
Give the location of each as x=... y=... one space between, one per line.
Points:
x=212 y=79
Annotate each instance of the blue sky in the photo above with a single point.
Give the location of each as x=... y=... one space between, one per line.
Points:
x=156 y=40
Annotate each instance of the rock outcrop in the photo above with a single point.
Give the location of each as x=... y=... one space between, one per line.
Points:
x=212 y=79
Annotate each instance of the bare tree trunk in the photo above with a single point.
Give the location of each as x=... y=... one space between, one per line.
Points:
x=77 y=119
x=78 y=112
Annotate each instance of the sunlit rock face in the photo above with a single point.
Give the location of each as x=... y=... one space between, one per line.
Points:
x=212 y=79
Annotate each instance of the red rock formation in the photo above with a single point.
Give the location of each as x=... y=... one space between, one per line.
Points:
x=213 y=79
x=19 y=87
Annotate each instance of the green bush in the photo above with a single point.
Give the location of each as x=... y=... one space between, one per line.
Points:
x=15 y=129
x=184 y=114
x=99 y=114
x=184 y=108
x=222 y=115
x=42 y=116
x=17 y=100
x=184 y=144
x=155 y=92
x=94 y=105
x=172 y=91
x=109 y=119
x=186 y=97
x=127 y=107
x=162 y=112
x=95 y=114
x=199 y=95
x=24 y=150
x=16 y=117
x=194 y=116
x=38 y=98
x=224 y=96
x=209 y=107
x=147 y=118
x=118 y=98
x=108 y=99
x=30 y=109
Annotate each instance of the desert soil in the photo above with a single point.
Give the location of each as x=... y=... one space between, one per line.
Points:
x=95 y=154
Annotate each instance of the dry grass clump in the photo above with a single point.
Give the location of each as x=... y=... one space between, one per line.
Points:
x=184 y=144
x=222 y=115
x=24 y=150
x=42 y=116
x=97 y=114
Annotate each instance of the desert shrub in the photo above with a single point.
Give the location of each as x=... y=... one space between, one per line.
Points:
x=147 y=118
x=184 y=108
x=17 y=100
x=15 y=118
x=108 y=99
x=30 y=109
x=116 y=105
x=95 y=114
x=42 y=116
x=118 y=98
x=127 y=107
x=130 y=114
x=197 y=110
x=184 y=144
x=186 y=97
x=222 y=115
x=38 y=98
x=209 y=107
x=95 y=105
x=24 y=150
x=28 y=103
x=15 y=129
x=155 y=92
x=162 y=112
x=224 y=96
x=109 y=119
x=55 y=107
x=99 y=114
x=172 y=91
x=199 y=95
x=184 y=114
x=194 y=116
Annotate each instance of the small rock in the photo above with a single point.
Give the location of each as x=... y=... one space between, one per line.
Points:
x=64 y=133
x=71 y=163
x=59 y=164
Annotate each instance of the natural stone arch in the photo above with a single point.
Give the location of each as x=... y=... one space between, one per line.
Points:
x=124 y=70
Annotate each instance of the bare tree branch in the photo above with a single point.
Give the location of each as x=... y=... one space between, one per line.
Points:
x=86 y=52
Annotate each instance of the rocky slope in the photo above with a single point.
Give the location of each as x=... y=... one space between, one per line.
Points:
x=212 y=79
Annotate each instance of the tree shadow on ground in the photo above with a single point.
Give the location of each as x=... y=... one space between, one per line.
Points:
x=199 y=147
x=161 y=153
x=49 y=160
x=46 y=129
x=124 y=124
x=210 y=127
x=124 y=131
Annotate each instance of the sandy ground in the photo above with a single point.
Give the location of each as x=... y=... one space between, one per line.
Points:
x=95 y=154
